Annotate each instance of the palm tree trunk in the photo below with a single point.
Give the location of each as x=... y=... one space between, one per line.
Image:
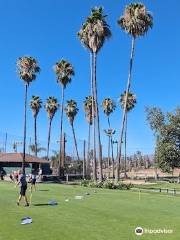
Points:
x=112 y=154
x=5 y=143
x=125 y=147
x=108 y=157
x=61 y=164
x=94 y=151
x=94 y=121
x=109 y=126
x=29 y=145
x=124 y=110
x=35 y=135
x=49 y=137
x=97 y=117
x=24 y=140
x=84 y=159
x=75 y=142
x=88 y=151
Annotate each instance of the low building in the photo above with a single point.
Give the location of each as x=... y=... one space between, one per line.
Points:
x=14 y=160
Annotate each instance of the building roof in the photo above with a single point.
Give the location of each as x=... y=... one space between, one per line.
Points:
x=18 y=157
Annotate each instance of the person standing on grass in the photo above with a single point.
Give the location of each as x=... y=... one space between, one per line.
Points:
x=33 y=181
x=15 y=175
x=23 y=187
x=40 y=174
x=11 y=177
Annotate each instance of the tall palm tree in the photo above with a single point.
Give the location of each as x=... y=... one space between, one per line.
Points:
x=37 y=148
x=109 y=106
x=51 y=106
x=131 y=101
x=64 y=72
x=71 y=112
x=136 y=21
x=109 y=133
x=35 y=105
x=89 y=117
x=27 y=68
x=93 y=34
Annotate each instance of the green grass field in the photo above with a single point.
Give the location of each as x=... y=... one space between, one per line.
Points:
x=104 y=215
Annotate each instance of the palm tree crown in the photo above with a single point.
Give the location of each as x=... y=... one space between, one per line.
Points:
x=95 y=30
x=27 y=68
x=131 y=101
x=110 y=132
x=64 y=71
x=108 y=106
x=136 y=20
x=88 y=109
x=51 y=106
x=33 y=148
x=71 y=110
x=35 y=105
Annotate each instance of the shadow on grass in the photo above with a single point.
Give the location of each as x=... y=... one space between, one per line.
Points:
x=44 y=190
x=41 y=204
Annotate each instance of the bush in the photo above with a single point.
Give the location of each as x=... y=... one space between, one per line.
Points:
x=94 y=184
x=108 y=184
x=123 y=186
x=84 y=183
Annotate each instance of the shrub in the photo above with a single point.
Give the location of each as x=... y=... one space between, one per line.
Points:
x=123 y=186
x=95 y=184
x=84 y=183
x=108 y=184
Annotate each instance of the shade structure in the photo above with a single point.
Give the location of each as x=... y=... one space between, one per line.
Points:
x=18 y=158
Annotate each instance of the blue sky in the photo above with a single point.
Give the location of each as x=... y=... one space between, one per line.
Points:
x=46 y=30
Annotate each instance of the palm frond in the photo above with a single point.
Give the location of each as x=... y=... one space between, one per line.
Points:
x=64 y=72
x=136 y=20
x=88 y=109
x=27 y=68
x=71 y=110
x=95 y=30
x=108 y=106
x=51 y=106
x=131 y=101
x=35 y=105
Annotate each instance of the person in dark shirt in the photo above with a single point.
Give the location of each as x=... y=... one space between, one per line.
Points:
x=2 y=173
x=11 y=177
x=33 y=181
x=23 y=187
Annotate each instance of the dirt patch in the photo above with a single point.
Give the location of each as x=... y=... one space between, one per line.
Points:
x=138 y=182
